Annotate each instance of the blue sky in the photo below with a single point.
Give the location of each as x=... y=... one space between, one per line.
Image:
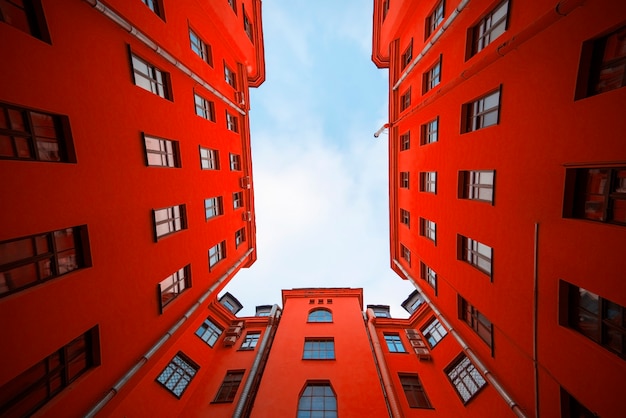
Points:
x=320 y=177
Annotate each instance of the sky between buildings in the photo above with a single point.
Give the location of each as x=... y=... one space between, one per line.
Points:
x=320 y=177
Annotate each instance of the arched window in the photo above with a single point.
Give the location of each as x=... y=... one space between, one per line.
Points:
x=320 y=315
x=317 y=400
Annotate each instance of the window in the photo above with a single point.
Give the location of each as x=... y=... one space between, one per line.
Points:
x=428 y=182
x=237 y=200
x=430 y=132
x=465 y=378
x=405 y=253
x=596 y=194
x=602 y=64
x=209 y=332
x=432 y=77
x=29 y=391
x=482 y=112
x=595 y=317
x=230 y=384
x=476 y=185
x=434 y=332
x=232 y=122
x=169 y=220
x=407 y=56
x=247 y=25
x=178 y=374
x=434 y=19
x=174 y=284
x=320 y=315
x=27 y=16
x=414 y=391
x=404 y=179
x=230 y=76
x=428 y=229
x=571 y=408
x=204 y=108
x=319 y=349
x=429 y=275
x=28 y=261
x=161 y=152
x=405 y=100
x=217 y=253
x=213 y=207
x=419 y=299
x=209 y=159
x=156 y=6
x=240 y=237
x=489 y=28
x=251 y=340
x=475 y=253
x=233 y=5
x=27 y=134
x=477 y=321
x=394 y=344
x=405 y=217
x=235 y=162
x=200 y=48
x=317 y=400
x=385 y=8
x=150 y=78
x=405 y=141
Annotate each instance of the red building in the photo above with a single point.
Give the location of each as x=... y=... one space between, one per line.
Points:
x=507 y=198
x=127 y=198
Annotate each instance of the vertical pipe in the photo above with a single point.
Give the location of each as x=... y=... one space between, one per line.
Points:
x=535 y=316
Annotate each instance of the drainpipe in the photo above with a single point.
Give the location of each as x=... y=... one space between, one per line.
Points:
x=245 y=393
x=144 y=359
x=432 y=41
x=143 y=38
x=466 y=349
x=380 y=376
x=535 y=316
x=392 y=399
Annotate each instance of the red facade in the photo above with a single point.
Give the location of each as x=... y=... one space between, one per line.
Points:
x=507 y=169
x=127 y=199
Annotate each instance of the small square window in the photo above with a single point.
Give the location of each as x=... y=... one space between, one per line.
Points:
x=237 y=200
x=27 y=134
x=161 y=152
x=405 y=100
x=209 y=332
x=169 y=220
x=477 y=185
x=430 y=132
x=235 y=162
x=434 y=332
x=407 y=56
x=476 y=320
x=229 y=387
x=428 y=229
x=213 y=207
x=405 y=253
x=27 y=16
x=319 y=349
x=434 y=19
x=251 y=341
x=405 y=217
x=414 y=391
x=467 y=381
x=489 y=28
x=174 y=284
x=230 y=76
x=428 y=182
x=247 y=25
x=216 y=254
x=200 y=48
x=482 y=112
x=404 y=180
x=233 y=5
x=570 y=407
x=432 y=77
x=405 y=141
x=429 y=275
x=240 y=237
x=475 y=253
x=394 y=343
x=204 y=108
x=178 y=374
x=151 y=78
x=209 y=159
x=232 y=122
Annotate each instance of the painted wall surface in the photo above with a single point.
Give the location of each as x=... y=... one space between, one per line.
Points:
x=85 y=74
x=352 y=374
x=541 y=131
